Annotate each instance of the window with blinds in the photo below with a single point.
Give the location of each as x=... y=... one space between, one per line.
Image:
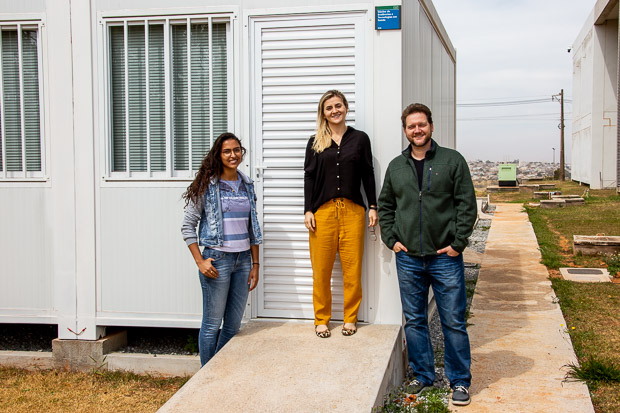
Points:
x=21 y=150
x=168 y=91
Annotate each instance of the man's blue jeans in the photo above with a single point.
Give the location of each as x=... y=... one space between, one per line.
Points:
x=447 y=277
x=223 y=298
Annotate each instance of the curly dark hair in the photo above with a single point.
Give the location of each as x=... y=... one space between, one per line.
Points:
x=210 y=167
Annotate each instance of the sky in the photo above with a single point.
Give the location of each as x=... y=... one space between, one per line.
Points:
x=513 y=51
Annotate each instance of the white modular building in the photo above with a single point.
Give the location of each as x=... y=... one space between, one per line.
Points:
x=595 y=149
x=107 y=108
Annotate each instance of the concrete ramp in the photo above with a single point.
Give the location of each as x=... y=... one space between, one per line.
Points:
x=282 y=366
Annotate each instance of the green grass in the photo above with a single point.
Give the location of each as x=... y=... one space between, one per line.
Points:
x=547 y=241
x=595 y=372
x=555 y=228
x=591 y=310
x=593 y=323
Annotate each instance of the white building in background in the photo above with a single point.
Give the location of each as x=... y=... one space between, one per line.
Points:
x=595 y=152
x=107 y=108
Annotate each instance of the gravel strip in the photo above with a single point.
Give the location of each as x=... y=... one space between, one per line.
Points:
x=38 y=337
x=27 y=337
x=176 y=341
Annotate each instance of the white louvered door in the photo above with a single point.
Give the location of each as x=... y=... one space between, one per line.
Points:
x=295 y=60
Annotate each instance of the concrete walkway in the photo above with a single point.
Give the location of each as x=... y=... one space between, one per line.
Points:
x=518 y=339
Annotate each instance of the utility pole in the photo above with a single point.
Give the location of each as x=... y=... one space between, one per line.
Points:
x=560 y=98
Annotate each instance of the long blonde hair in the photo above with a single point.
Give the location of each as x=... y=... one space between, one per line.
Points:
x=323 y=136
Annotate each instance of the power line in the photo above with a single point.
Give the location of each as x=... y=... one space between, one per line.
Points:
x=508 y=103
x=521 y=117
x=510 y=120
x=502 y=98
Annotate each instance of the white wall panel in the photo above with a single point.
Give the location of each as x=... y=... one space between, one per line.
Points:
x=581 y=153
x=582 y=145
x=429 y=69
x=425 y=77
x=436 y=92
x=26 y=254
x=608 y=149
x=146 y=270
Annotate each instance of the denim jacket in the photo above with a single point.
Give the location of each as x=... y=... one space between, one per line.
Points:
x=210 y=229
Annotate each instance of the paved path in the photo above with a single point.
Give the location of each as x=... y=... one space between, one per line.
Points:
x=518 y=339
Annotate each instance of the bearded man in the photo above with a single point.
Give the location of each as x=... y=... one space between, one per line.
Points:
x=427 y=211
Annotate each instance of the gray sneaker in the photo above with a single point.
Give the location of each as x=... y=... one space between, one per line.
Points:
x=460 y=396
x=417 y=387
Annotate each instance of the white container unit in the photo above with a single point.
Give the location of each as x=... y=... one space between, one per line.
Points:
x=595 y=157
x=111 y=107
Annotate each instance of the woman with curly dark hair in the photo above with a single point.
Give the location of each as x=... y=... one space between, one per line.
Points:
x=221 y=201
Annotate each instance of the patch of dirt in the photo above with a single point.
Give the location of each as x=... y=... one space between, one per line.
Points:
x=566 y=251
x=565 y=245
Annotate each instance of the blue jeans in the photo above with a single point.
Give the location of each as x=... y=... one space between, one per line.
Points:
x=223 y=298
x=447 y=277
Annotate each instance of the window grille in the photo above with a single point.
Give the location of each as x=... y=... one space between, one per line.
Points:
x=21 y=149
x=168 y=94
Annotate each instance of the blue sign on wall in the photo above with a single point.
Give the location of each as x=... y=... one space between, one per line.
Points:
x=387 y=18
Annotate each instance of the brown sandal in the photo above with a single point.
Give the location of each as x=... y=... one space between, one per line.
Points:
x=348 y=331
x=322 y=334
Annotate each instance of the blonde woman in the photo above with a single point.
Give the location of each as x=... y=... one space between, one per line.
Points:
x=338 y=161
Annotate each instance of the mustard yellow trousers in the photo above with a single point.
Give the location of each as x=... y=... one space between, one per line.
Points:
x=339 y=229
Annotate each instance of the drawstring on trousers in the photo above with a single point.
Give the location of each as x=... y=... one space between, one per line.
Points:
x=339 y=206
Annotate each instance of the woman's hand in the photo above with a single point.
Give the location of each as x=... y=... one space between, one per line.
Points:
x=253 y=278
x=309 y=221
x=372 y=217
x=204 y=266
x=207 y=269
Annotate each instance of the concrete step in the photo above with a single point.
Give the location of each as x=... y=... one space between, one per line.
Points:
x=552 y=203
x=596 y=244
x=166 y=365
x=496 y=188
x=281 y=366
x=541 y=195
x=29 y=360
x=157 y=365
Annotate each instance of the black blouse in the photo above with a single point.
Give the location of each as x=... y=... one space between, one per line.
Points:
x=338 y=171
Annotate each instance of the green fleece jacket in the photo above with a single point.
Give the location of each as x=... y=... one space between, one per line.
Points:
x=441 y=213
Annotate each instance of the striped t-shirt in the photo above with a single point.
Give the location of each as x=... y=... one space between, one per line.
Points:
x=236 y=216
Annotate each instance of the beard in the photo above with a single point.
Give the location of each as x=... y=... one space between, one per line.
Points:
x=427 y=138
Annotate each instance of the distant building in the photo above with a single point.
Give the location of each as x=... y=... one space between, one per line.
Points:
x=595 y=149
